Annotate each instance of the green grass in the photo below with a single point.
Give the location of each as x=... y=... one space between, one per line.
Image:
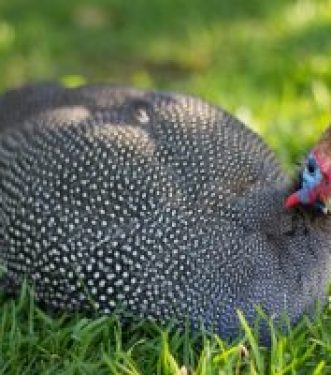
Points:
x=266 y=61
x=269 y=62
x=33 y=342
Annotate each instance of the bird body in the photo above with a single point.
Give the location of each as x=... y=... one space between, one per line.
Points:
x=156 y=202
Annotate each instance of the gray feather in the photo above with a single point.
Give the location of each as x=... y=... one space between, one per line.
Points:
x=156 y=202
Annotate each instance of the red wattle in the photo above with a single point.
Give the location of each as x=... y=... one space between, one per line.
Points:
x=292 y=201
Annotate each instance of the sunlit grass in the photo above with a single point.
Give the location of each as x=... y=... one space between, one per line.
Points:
x=35 y=342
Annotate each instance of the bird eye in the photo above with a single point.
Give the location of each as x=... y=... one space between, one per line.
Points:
x=311 y=166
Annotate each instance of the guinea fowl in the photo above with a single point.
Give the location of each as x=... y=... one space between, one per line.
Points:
x=158 y=203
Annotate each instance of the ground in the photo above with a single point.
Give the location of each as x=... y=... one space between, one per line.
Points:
x=268 y=62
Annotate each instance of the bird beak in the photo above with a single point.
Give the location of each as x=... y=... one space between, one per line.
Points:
x=326 y=206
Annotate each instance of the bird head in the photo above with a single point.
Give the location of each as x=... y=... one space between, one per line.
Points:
x=315 y=180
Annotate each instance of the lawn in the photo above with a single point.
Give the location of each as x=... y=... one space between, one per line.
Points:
x=268 y=62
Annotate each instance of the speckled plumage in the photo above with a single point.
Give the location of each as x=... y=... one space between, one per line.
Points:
x=156 y=202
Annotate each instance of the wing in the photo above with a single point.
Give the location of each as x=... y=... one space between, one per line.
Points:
x=120 y=179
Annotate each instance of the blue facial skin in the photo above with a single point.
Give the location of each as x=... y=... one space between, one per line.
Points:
x=310 y=178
